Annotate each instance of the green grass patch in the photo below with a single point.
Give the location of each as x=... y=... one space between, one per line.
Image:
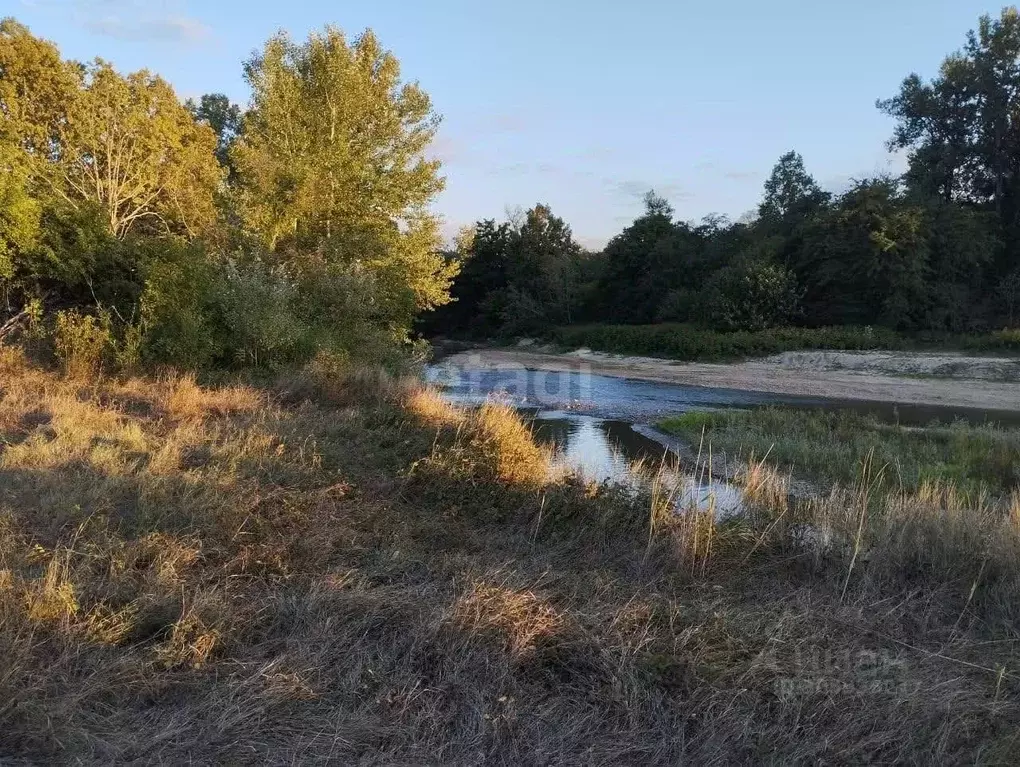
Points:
x=688 y=342
x=832 y=446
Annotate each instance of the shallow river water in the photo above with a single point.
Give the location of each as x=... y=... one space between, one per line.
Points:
x=600 y=425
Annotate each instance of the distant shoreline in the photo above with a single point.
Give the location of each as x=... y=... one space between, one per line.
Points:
x=872 y=376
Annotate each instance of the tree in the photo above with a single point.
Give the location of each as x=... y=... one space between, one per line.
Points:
x=642 y=263
x=751 y=294
x=961 y=129
x=224 y=117
x=869 y=259
x=789 y=190
x=36 y=87
x=332 y=160
x=131 y=147
x=520 y=276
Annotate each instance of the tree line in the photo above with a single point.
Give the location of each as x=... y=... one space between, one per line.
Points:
x=936 y=249
x=137 y=228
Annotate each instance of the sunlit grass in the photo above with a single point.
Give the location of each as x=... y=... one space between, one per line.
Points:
x=345 y=567
x=832 y=446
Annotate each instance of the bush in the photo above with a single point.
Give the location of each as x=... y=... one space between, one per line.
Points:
x=82 y=343
x=687 y=342
x=178 y=324
x=751 y=295
x=258 y=303
x=1007 y=340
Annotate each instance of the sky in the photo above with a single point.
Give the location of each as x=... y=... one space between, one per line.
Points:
x=583 y=105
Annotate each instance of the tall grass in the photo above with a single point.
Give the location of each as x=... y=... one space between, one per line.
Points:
x=832 y=445
x=341 y=567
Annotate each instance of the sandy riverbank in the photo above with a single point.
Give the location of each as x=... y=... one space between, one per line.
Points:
x=947 y=379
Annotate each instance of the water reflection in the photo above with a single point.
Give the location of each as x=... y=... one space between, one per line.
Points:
x=605 y=450
x=589 y=418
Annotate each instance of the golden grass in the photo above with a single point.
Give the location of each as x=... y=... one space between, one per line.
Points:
x=355 y=572
x=182 y=398
x=428 y=405
x=506 y=444
x=519 y=618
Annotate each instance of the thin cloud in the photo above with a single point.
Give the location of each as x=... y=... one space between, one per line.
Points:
x=742 y=175
x=638 y=189
x=172 y=29
x=140 y=21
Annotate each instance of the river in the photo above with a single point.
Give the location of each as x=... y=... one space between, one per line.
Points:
x=601 y=427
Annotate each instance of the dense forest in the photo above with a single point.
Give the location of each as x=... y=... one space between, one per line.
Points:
x=936 y=250
x=138 y=229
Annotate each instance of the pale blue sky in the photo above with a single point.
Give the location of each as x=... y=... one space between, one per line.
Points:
x=582 y=104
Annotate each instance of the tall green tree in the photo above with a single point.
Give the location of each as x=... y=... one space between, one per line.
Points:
x=332 y=160
x=961 y=129
x=224 y=117
x=132 y=148
x=520 y=276
x=36 y=89
x=642 y=263
x=789 y=191
x=869 y=259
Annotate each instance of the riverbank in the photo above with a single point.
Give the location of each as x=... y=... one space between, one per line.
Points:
x=834 y=447
x=343 y=567
x=919 y=378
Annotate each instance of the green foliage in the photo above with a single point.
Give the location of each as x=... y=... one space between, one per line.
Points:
x=331 y=162
x=19 y=217
x=790 y=191
x=178 y=305
x=1002 y=341
x=223 y=116
x=642 y=263
x=687 y=342
x=519 y=277
x=959 y=129
x=866 y=259
x=131 y=147
x=113 y=208
x=82 y=343
x=751 y=295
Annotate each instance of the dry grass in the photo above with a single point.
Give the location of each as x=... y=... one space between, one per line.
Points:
x=348 y=570
x=506 y=444
x=428 y=406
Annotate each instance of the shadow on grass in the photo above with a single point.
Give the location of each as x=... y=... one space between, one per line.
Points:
x=347 y=577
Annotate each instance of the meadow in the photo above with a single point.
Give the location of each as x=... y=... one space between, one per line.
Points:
x=336 y=565
x=832 y=446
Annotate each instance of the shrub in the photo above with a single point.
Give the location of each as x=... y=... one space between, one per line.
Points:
x=177 y=305
x=82 y=343
x=687 y=342
x=258 y=302
x=751 y=295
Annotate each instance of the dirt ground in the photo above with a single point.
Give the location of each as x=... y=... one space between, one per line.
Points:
x=947 y=379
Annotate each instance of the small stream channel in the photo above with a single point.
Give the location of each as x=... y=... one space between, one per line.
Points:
x=601 y=426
